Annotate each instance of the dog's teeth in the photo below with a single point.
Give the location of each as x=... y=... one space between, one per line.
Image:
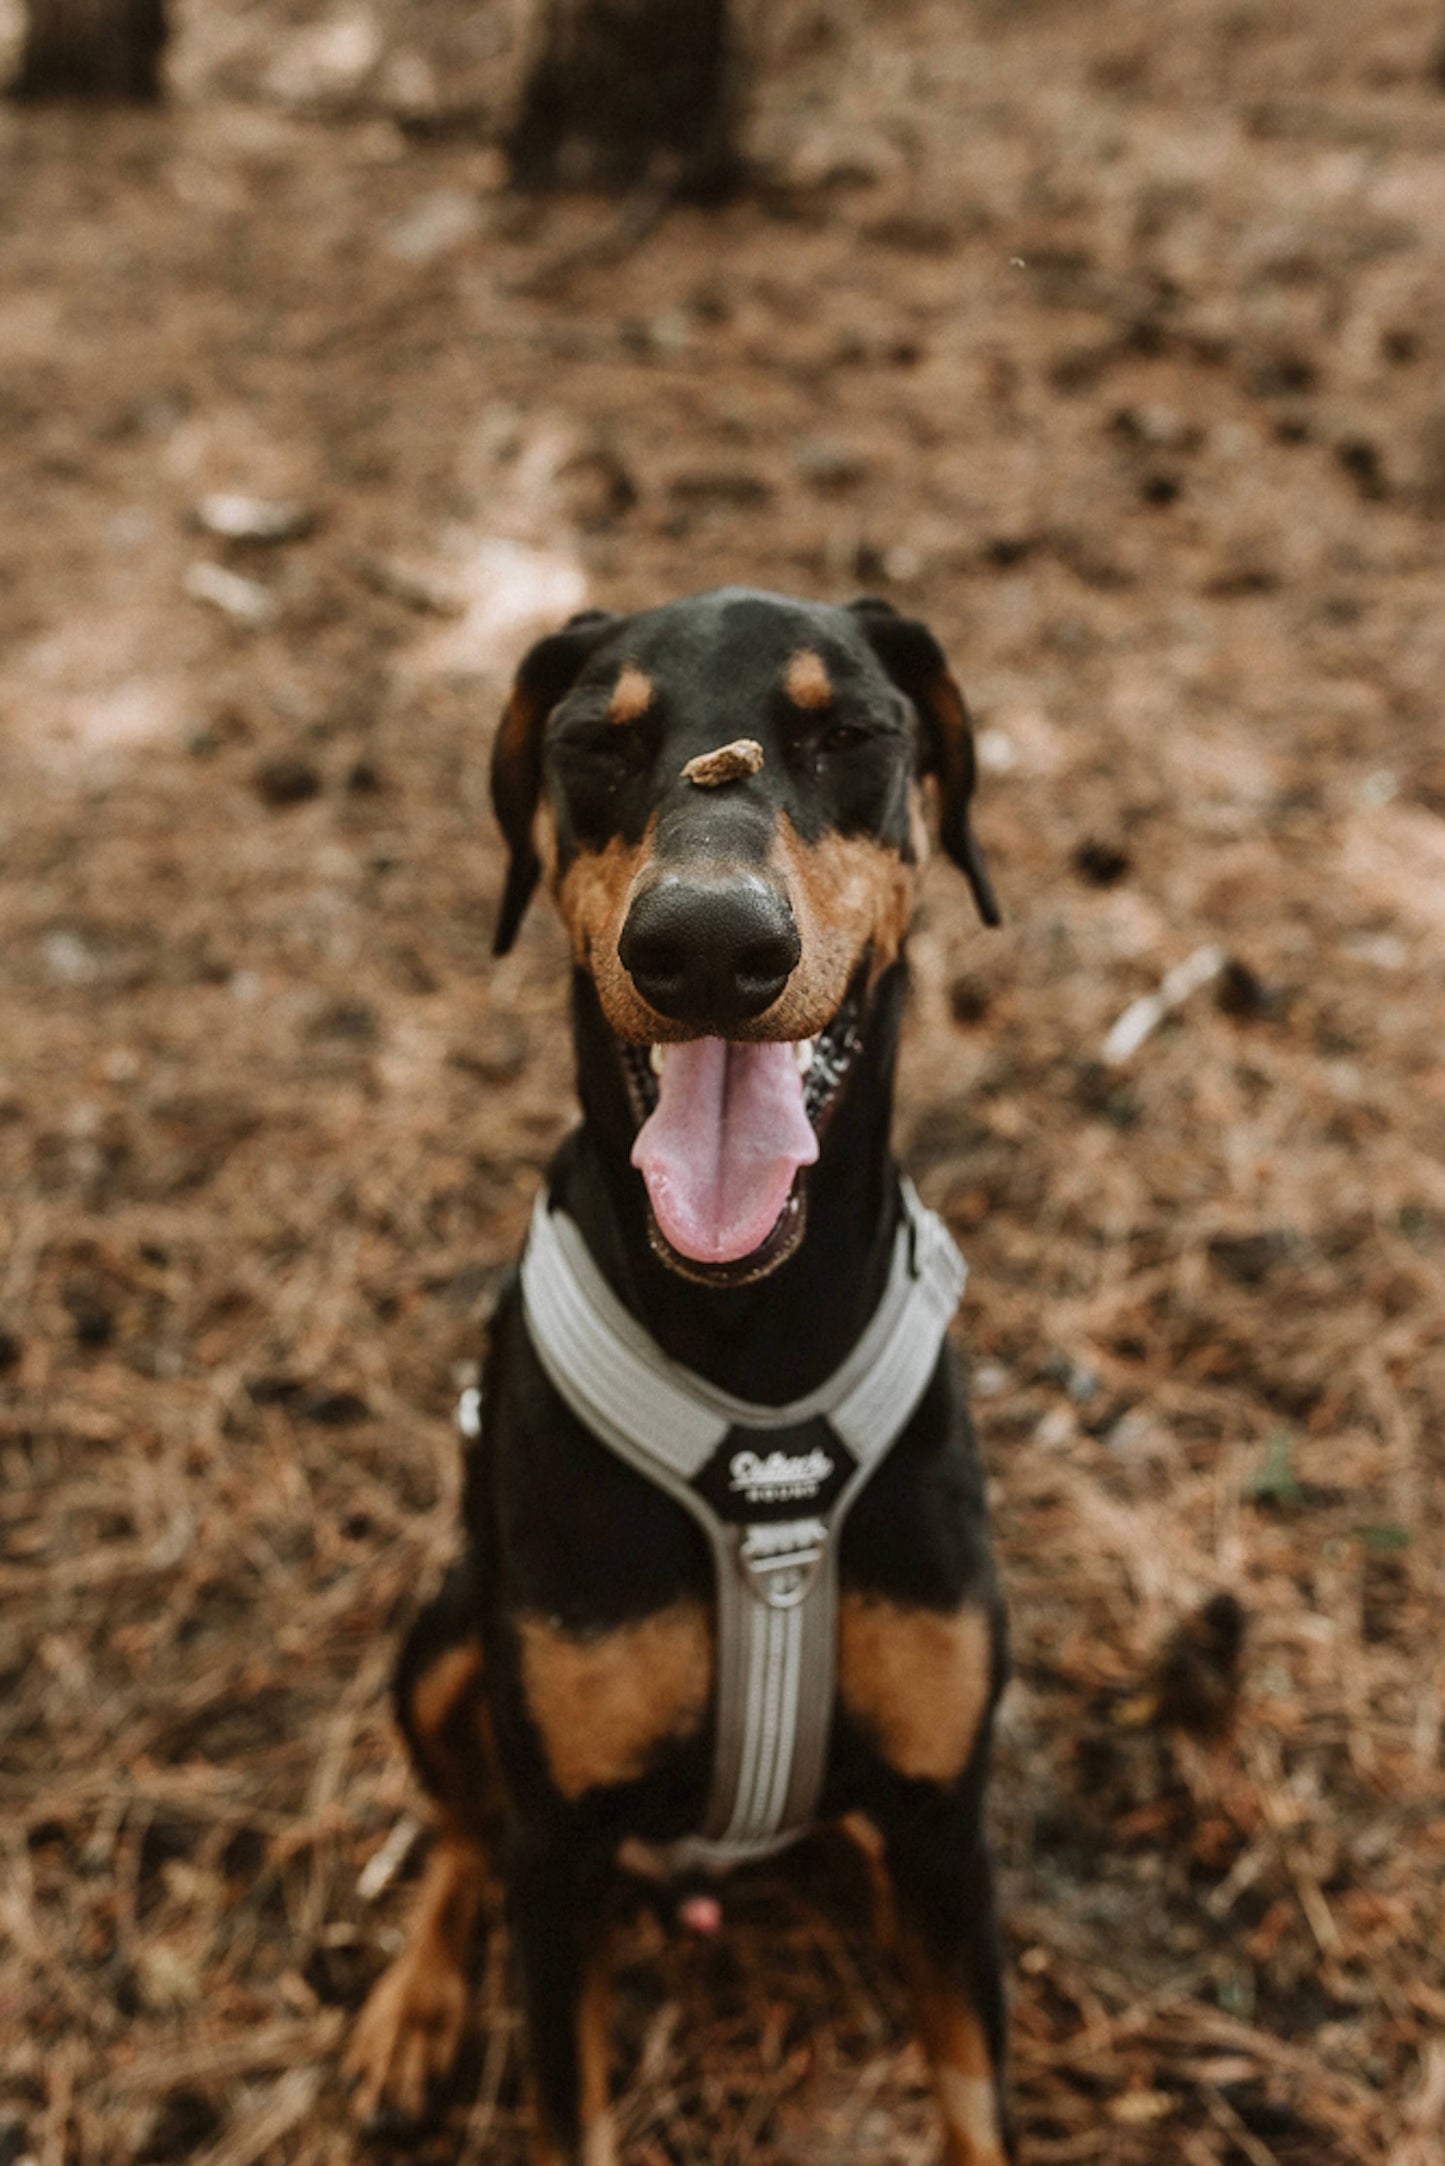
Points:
x=656 y=1055
x=803 y=1055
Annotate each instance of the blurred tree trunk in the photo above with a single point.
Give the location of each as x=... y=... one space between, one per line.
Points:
x=627 y=91
x=93 y=49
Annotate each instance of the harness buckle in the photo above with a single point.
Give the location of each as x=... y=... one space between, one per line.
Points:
x=780 y=1563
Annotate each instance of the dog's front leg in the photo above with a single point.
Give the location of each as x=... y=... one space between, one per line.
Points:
x=560 y=1938
x=407 y=2035
x=942 y=1881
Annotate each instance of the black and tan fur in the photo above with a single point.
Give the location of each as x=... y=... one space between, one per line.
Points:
x=557 y=1695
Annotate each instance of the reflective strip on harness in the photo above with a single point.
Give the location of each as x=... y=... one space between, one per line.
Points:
x=770 y=1487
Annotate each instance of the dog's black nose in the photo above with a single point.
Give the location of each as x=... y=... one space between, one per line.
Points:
x=715 y=951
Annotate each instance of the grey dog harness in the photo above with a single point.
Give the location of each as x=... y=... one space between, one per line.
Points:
x=769 y=1486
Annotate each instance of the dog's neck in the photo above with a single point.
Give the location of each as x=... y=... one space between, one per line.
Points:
x=780 y=1337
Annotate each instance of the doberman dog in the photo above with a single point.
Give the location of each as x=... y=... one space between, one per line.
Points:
x=725 y=797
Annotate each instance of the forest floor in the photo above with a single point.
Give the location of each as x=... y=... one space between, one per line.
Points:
x=1111 y=340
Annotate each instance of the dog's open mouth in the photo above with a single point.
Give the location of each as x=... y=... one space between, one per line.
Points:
x=726 y=1134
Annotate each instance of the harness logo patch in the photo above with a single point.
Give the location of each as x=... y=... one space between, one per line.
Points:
x=757 y=1476
x=778 y=1476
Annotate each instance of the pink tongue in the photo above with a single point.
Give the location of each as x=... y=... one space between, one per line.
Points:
x=720 y=1151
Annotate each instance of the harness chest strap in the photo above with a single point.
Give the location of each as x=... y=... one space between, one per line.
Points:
x=770 y=1487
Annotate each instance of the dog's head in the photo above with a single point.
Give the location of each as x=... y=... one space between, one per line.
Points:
x=724 y=796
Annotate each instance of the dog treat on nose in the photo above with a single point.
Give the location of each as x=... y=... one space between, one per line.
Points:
x=730 y=763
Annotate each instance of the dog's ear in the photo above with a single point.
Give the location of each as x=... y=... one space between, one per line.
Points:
x=917 y=664
x=546 y=675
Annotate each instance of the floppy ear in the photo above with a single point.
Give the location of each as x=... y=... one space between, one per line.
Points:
x=546 y=675
x=917 y=664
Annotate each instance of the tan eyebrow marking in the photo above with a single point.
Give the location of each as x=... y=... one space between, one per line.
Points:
x=631 y=695
x=730 y=763
x=807 y=682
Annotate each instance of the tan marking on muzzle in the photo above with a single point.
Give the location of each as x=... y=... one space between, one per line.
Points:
x=593 y=897
x=849 y=896
x=631 y=695
x=806 y=680
x=730 y=763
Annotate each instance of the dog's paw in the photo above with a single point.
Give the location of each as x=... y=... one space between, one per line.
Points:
x=406 y=2040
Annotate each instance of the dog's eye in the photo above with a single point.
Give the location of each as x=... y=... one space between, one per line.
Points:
x=631 y=748
x=617 y=748
x=843 y=737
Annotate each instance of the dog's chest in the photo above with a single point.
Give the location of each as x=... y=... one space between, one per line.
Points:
x=675 y=1555
x=607 y=1706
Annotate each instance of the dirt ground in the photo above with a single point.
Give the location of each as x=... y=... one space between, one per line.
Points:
x=1112 y=341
